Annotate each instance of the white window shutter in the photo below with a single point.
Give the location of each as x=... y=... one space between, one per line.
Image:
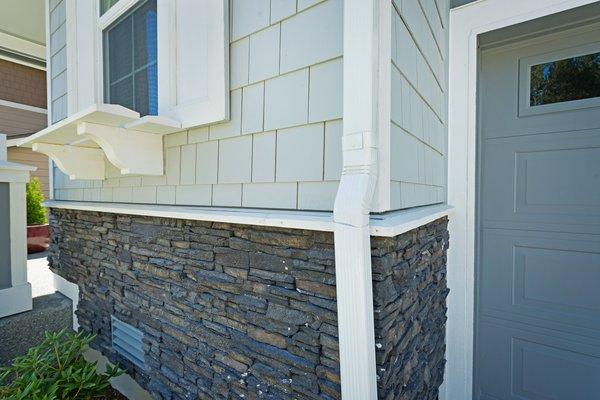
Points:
x=193 y=60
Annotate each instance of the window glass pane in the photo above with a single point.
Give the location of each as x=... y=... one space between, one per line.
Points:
x=122 y=93
x=144 y=25
x=106 y=4
x=130 y=62
x=568 y=79
x=120 y=50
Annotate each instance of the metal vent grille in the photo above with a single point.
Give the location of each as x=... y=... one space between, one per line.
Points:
x=127 y=341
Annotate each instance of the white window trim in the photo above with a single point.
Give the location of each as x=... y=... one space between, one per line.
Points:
x=103 y=22
x=85 y=49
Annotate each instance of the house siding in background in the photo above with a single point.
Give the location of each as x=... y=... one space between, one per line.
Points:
x=281 y=147
x=38 y=160
x=22 y=84
x=22 y=112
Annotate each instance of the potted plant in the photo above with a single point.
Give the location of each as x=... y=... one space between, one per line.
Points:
x=38 y=231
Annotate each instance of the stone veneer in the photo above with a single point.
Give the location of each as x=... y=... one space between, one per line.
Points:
x=235 y=311
x=409 y=296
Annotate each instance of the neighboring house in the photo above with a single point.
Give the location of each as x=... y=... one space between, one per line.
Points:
x=23 y=81
x=255 y=198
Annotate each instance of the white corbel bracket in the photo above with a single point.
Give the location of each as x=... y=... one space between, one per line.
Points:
x=76 y=162
x=132 y=151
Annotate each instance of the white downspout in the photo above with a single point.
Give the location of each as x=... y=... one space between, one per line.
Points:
x=353 y=200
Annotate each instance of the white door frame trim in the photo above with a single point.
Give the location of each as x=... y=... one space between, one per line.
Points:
x=466 y=24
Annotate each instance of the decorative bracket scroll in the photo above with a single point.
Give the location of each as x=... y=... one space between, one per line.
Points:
x=132 y=151
x=76 y=162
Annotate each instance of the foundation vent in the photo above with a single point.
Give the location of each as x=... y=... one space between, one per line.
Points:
x=128 y=342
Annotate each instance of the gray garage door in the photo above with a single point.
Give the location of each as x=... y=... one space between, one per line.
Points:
x=538 y=265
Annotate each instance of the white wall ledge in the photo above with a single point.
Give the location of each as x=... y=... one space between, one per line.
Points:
x=389 y=224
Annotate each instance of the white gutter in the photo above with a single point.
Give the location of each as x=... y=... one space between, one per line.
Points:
x=363 y=20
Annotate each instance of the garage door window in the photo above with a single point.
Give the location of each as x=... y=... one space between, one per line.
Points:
x=563 y=80
x=568 y=79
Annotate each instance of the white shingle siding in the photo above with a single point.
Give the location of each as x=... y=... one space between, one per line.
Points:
x=300 y=146
x=238 y=63
x=165 y=194
x=252 y=108
x=281 y=9
x=332 y=168
x=312 y=36
x=316 y=195
x=326 y=91
x=263 y=160
x=207 y=159
x=227 y=195
x=188 y=161
x=270 y=195
x=418 y=103
x=286 y=100
x=233 y=127
x=264 y=54
x=248 y=16
x=193 y=195
x=283 y=139
x=235 y=160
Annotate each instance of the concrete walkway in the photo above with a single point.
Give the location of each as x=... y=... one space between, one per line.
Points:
x=39 y=275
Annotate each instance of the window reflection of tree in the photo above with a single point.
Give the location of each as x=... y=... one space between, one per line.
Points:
x=569 y=79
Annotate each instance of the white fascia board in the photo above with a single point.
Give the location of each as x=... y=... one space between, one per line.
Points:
x=315 y=221
x=388 y=224
x=22 y=46
x=398 y=222
x=20 y=106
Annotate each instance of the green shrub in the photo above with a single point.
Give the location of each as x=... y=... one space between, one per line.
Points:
x=55 y=370
x=36 y=215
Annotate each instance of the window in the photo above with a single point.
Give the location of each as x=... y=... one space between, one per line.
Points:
x=105 y=5
x=166 y=58
x=130 y=59
x=568 y=79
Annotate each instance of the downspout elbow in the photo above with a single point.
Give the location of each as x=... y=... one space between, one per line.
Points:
x=357 y=185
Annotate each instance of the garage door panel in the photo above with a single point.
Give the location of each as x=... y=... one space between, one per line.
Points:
x=548 y=280
x=520 y=363
x=538 y=218
x=505 y=83
x=553 y=180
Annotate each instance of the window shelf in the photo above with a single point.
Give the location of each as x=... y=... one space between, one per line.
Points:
x=80 y=143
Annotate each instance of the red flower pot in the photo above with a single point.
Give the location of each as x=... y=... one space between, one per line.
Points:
x=38 y=238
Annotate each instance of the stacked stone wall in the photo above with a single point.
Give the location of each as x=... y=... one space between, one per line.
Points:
x=236 y=311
